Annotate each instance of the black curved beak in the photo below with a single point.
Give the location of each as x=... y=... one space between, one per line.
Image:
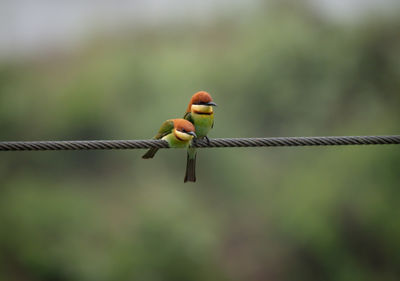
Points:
x=192 y=133
x=212 y=103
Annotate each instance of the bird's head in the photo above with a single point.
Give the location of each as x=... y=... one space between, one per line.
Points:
x=201 y=103
x=184 y=130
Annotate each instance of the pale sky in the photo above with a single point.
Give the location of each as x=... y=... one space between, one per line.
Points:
x=26 y=25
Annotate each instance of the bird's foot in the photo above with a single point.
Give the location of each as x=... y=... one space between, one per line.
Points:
x=208 y=140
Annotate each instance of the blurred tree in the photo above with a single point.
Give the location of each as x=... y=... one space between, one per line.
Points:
x=255 y=214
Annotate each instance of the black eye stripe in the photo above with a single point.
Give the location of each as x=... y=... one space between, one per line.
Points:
x=201 y=103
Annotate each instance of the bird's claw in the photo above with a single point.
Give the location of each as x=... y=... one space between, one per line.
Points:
x=208 y=140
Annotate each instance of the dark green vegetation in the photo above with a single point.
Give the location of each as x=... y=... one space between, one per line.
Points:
x=327 y=213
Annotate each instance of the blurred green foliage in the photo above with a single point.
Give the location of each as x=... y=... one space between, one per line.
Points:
x=255 y=214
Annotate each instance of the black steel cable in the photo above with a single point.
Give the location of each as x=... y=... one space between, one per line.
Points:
x=222 y=142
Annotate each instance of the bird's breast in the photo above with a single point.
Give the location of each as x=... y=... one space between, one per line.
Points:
x=202 y=123
x=175 y=142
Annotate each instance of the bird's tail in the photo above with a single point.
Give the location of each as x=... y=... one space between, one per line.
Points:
x=150 y=153
x=191 y=165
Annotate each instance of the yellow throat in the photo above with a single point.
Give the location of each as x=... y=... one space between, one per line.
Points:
x=182 y=136
x=201 y=108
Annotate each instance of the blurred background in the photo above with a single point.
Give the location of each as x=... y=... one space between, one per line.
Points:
x=72 y=70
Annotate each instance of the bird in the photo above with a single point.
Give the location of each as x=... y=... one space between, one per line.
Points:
x=177 y=132
x=200 y=113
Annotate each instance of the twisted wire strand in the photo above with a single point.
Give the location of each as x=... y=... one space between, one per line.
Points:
x=220 y=142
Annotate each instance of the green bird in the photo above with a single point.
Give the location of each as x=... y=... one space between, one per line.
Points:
x=177 y=132
x=200 y=113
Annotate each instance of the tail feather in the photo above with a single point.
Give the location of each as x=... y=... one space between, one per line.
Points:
x=150 y=153
x=190 y=168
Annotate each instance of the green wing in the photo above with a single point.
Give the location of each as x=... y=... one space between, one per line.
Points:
x=165 y=129
x=188 y=116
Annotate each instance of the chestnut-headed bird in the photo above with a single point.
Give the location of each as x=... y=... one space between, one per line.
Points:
x=177 y=132
x=200 y=113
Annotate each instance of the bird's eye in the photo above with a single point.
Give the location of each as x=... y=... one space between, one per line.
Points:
x=183 y=130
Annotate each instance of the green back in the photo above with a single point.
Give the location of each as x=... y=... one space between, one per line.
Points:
x=188 y=116
x=165 y=129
